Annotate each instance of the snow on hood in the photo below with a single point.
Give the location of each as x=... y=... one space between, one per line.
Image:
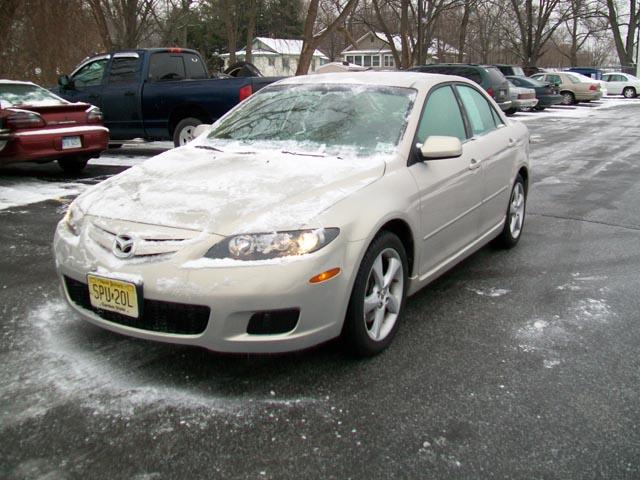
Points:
x=231 y=192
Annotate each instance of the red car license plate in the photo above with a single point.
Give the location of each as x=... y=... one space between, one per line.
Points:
x=71 y=142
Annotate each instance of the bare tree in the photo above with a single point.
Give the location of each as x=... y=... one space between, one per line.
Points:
x=581 y=24
x=536 y=21
x=311 y=40
x=616 y=12
x=122 y=23
x=172 y=21
x=231 y=25
x=252 y=12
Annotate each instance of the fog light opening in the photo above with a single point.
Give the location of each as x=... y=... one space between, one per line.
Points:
x=324 y=276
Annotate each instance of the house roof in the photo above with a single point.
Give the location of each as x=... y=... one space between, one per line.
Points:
x=397 y=41
x=285 y=46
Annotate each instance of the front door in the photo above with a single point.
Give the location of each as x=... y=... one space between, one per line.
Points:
x=87 y=83
x=450 y=189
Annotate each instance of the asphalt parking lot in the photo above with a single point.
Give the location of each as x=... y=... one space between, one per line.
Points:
x=519 y=364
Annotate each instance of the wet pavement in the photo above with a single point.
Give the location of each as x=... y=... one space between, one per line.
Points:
x=515 y=364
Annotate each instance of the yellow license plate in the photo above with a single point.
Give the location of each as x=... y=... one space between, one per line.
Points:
x=113 y=295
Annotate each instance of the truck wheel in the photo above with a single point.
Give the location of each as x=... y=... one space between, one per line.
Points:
x=73 y=164
x=183 y=133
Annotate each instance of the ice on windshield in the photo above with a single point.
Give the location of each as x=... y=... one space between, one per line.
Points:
x=327 y=118
x=16 y=94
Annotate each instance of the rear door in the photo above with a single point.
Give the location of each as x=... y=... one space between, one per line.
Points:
x=615 y=83
x=496 y=152
x=121 y=96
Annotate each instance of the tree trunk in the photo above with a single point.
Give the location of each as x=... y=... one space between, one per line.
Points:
x=230 y=25
x=311 y=41
x=251 y=28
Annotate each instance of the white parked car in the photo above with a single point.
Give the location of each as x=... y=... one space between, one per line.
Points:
x=624 y=84
x=308 y=212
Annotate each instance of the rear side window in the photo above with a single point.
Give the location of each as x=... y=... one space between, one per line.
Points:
x=124 y=69
x=194 y=66
x=468 y=72
x=479 y=112
x=441 y=116
x=495 y=75
x=164 y=66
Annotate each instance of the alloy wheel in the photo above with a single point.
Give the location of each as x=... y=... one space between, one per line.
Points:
x=516 y=210
x=383 y=294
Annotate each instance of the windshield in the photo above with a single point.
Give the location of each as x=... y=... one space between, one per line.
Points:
x=325 y=118
x=16 y=94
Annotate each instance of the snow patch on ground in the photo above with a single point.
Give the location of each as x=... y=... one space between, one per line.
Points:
x=33 y=191
x=582 y=110
x=102 y=376
x=491 y=292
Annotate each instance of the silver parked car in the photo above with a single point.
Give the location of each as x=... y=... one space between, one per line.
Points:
x=308 y=212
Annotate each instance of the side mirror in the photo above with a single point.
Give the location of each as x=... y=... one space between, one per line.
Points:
x=438 y=147
x=65 y=82
x=200 y=129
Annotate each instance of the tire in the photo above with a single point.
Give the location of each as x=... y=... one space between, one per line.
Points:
x=629 y=92
x=376 y=302
x=114 y=146
x=568 y=98
x=514 y=220
x=73 y=164
x=510 y=111
x=183 y=132
x=539 y=109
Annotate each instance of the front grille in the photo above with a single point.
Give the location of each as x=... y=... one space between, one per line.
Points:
x=157 y=316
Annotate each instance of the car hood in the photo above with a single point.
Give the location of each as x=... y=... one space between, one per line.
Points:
x=230 y=192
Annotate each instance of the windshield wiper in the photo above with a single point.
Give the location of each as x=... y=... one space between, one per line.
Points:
x=321 y=155
x=207 y=147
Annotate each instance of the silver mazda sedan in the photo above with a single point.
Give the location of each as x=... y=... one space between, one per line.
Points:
x=309 y=212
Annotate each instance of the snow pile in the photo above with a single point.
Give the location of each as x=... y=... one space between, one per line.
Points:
x=34 y=191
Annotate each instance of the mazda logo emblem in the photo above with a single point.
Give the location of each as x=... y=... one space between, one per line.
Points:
x=123 y=246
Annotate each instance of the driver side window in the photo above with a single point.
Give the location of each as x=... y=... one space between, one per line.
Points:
x=441 y=116
x=91 y=74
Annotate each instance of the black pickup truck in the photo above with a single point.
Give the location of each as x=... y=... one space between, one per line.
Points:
x=155 y=93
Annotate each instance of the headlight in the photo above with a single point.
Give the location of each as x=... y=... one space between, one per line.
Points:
x=263 y=246
x=73 y=218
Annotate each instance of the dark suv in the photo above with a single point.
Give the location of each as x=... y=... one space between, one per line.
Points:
x=487 y=76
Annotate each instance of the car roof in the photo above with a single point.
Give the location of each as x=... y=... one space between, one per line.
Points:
x=387 y=79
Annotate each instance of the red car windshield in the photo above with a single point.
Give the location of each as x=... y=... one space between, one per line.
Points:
x=17 y=94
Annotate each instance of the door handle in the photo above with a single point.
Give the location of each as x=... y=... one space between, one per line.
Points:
x=129 y=93
x=474 y=164
x=512 y=142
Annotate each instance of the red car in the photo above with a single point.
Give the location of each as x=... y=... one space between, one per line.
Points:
x=38 y=126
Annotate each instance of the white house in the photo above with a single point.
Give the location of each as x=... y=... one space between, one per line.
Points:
x=278 y=56
x=374 y=51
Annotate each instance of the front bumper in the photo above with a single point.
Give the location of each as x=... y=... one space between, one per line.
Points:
x=46 y=144
x=233 y=292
